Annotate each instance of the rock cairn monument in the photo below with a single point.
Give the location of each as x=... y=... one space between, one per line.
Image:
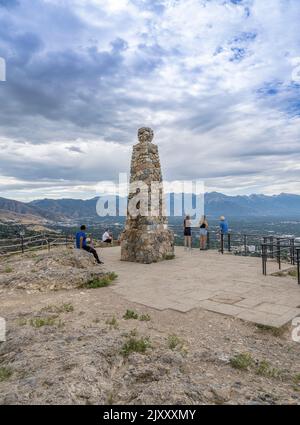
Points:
x=146 y=238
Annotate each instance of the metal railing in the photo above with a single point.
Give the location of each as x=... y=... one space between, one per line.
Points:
x=283 y=251
x=41 y=241
x=236 y=242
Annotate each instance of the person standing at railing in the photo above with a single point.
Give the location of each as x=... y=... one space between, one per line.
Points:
x=223 y=231
x=203 y=233
x=81 y=243
x=187 y=225
x=223 y=225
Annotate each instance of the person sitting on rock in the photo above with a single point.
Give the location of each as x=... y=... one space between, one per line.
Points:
x=107 y=237
x=81 y=243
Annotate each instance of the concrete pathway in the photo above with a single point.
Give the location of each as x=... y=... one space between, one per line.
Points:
x=225 y=284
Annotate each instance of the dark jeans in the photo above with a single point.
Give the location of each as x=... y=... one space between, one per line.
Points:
x=92 y=251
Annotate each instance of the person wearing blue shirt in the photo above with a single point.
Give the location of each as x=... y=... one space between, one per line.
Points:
x=223 y=225
x=81 y=243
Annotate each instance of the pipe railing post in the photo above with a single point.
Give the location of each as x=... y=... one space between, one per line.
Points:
x=279 y=253
x=208 y=241
x=264 y=259
x=298 y=265
x=292 y=251
x=245 y=245
x=229 y=242
x=265 y=241
x=272 y=246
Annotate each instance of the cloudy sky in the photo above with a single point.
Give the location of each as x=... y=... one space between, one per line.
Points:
x=217 y=80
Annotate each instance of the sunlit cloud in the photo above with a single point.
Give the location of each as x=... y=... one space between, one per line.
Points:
x=216 y=80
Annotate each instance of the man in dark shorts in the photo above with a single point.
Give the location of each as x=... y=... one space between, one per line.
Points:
x=187 y=233
x=82 y=244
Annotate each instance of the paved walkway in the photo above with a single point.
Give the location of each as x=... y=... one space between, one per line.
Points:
x=227 y=284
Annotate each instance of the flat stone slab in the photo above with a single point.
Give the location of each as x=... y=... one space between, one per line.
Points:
x=225 y=284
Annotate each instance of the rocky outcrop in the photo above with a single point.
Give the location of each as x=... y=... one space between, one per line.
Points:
x=62 y=268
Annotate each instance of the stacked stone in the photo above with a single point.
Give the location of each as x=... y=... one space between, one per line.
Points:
x=146 y=238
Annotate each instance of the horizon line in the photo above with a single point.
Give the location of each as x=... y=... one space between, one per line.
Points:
x=166 y=193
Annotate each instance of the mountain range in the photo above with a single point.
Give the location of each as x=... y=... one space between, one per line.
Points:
x=216 y=204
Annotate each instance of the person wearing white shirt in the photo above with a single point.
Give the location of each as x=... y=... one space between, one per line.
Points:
x=106 y=237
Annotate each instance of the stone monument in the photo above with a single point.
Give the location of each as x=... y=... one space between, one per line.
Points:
x=146 y=238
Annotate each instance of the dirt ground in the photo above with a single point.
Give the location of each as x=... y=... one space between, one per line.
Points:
x=75 y=347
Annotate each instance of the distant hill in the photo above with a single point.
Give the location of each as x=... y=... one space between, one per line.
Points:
x=67 y=208
x=16 y=206
x=22 y=208
x=13 y=217
x=283 y=205
x=216 y=204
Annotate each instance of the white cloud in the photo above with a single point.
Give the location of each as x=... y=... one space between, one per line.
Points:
x=216 y=80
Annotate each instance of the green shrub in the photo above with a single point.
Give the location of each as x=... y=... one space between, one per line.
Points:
x=8 y=269
x=145 y=318
x=296 y=379
x=134 y=345
x=64 y=308
x=101 y=282
x=130 y=314
x=242 y=361
x=271 y=329
x=293 y=273
x=169 y=257
x=285 y=273
x=22 y=322
x=67 y=308
x=113 y=323
x=5 y=373
x=174 y=342
x=39 y=322
x=110 y=399
x=264 y=368
x=98 y=283
x=113 y=276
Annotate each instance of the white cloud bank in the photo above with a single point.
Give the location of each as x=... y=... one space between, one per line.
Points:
x=217 y=80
